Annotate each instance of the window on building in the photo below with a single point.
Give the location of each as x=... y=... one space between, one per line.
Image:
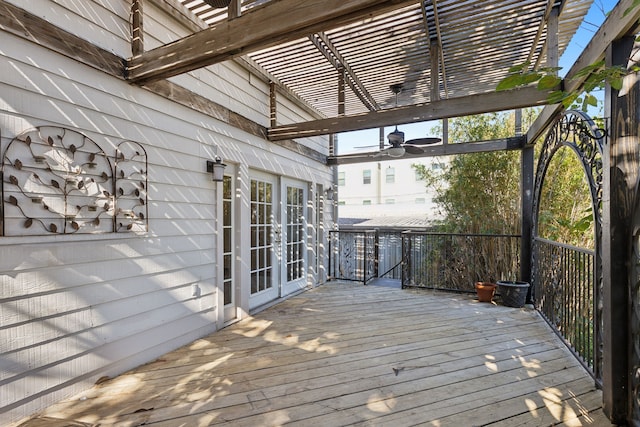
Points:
x=366 y=202
x=341 y=176
x=341 y=203
x=366 y=176
x=390 y=201
x=418 y=176
x=391 y=175
x=420 y=201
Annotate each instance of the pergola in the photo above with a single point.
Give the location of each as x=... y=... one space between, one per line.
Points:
x=339 y=57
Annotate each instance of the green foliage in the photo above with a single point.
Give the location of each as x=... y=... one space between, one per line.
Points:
x=479 y=193
x=596 y=76
x=565 y=205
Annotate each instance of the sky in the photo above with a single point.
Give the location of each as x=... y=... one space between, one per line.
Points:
x=594 y=18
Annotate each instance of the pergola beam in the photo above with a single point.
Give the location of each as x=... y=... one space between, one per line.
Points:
x=446 y=108
x=276 y=22
x=327 y=48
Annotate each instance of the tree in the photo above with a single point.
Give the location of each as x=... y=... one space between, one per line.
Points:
x=479 y=193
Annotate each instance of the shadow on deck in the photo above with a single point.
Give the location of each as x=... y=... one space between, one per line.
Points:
x=347 y=354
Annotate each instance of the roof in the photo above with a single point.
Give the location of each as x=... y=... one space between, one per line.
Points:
x=403 y=222
x=436 y=49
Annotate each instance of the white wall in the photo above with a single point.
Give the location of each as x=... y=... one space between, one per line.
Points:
x=74 y=308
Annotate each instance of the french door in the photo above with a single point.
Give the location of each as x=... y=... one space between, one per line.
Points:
x=228 y=277
x=294 y=235
x=263 y=254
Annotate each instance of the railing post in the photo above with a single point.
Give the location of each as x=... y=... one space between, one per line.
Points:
x=526 y=243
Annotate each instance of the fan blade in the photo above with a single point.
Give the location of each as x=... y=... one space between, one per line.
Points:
x=424 y=141
x=370 y=146
x=412 y=149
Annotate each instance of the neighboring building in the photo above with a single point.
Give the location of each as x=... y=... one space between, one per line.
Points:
x=390 y=189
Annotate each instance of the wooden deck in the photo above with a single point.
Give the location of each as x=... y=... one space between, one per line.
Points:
x=346 y=354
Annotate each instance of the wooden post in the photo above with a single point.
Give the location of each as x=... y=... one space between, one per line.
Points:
x=620 y=172
x=234 y=9
x=137 y=33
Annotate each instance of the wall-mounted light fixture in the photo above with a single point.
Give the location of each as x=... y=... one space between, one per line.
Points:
x=216 y=168
x=330 y=193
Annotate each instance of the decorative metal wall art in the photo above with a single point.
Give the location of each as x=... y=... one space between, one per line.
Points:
x=59 y=181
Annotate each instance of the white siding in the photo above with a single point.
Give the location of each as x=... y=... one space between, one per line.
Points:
x=77 y=307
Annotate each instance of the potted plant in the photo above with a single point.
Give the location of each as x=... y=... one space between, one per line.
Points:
x=485 y=291
x=513 y=292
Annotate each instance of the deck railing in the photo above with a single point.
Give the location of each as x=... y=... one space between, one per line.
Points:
x=566 y=297
x=352 y=255
x=455 y=262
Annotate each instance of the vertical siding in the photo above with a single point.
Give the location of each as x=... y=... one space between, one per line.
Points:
x=76 y=308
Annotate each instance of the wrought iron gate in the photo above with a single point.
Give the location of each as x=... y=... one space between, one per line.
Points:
x=568 y=281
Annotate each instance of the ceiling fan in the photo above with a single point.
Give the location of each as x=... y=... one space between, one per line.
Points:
x=397 y=146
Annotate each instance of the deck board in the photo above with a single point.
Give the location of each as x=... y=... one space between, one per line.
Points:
x=347 y=354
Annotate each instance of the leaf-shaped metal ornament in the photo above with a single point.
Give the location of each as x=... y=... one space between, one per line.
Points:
x=28 y=223
x=80 y=185
x=129 y=227
x=106 y=193
x=17 y=164
x=75 y=225
x=96 y=222
x=92 y=157
x=120 y=191
x=27 y=140
x=50 y=141
x=142 y=202
x=12 y=201
x=55 y=184
x=73 y=149
x=141 y=215
x=53 y=228
x=104 y=176
x=13 y=180
x=44 y=205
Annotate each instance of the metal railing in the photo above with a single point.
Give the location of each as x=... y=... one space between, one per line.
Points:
x=352 y=255
x=565 y=296
x=454 y=262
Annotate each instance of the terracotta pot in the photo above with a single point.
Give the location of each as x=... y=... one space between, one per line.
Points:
x=485 y=291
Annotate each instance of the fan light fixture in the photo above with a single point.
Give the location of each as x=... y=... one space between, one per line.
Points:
x=395 y=151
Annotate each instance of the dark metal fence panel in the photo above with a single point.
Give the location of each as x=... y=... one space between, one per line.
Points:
x=389 y=254
x=456 y=261
x=352 y=255
x=565 y=295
